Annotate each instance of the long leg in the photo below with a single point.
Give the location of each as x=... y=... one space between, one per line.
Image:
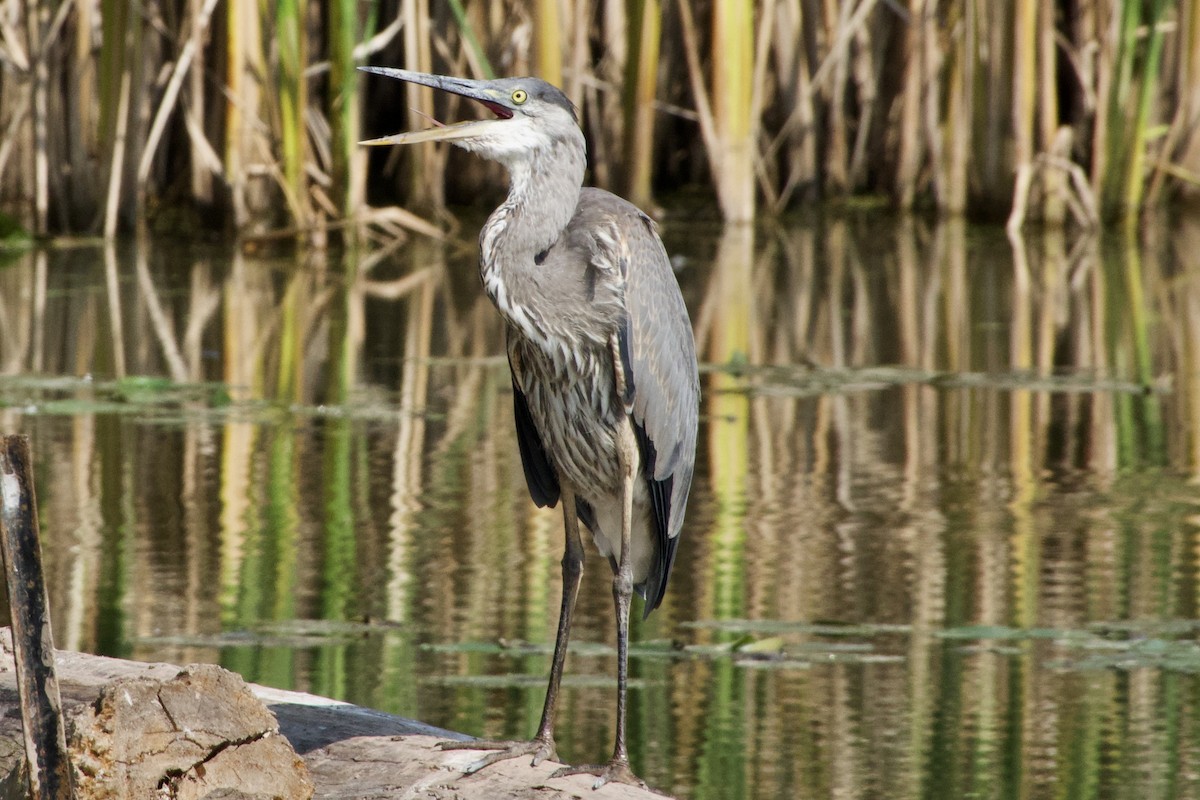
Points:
x=542 y=746
x=623 y=586
x=572 y=571
x=617 y=768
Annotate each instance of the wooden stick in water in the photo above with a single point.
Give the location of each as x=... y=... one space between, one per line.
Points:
x=33 y=646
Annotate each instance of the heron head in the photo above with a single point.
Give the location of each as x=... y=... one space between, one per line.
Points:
x=527 y=115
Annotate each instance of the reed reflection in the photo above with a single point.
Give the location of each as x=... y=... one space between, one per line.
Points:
x=919 y=446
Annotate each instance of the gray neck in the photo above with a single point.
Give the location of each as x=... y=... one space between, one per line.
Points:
x=542 y=195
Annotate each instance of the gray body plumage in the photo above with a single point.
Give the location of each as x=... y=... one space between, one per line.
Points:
x=602 y=307
x=605 y=386
x=586 y=289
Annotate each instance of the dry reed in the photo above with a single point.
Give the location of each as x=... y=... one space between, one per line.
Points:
x=251 y=117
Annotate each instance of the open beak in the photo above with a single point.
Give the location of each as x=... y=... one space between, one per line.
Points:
x=479 y=91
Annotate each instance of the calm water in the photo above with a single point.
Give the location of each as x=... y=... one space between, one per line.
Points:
x=943 y=540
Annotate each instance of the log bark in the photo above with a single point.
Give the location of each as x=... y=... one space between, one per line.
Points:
x=348 y=751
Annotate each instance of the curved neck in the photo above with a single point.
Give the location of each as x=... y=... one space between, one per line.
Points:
x=542 y=194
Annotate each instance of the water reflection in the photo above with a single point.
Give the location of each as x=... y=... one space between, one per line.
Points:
x=942 y=542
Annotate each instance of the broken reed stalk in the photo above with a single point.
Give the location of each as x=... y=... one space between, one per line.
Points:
x=182 y=65
x=33 y=644
x=203 y=160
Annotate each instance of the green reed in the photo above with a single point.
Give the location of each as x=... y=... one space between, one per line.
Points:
x=1133 y=96
x=772 y=103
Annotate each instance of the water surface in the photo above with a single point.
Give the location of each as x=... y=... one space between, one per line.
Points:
x=942 y=541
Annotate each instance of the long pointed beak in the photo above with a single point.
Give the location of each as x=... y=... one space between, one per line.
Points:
x=479 y=91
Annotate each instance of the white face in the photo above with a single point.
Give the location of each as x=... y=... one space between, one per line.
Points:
x=516 y=139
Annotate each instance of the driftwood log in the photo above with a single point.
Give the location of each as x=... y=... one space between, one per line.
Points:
x=138 y=730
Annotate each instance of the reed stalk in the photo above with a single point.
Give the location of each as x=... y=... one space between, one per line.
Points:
x=932 y=60
x=344 y=113
x=549 y=41
x=605 y=117
x=15 y=131
x=706 y=117
x=1024 y=84
x=117 y=161
x=866 y=86
x=81 y=106
x=957 y=130
x=37 y=19
x=910 y=146
x=641 y=88
x=947 y=99
x=1188 y=83
x=476 y=55
x=1135 y=175
x=203 y=159
x=1121 y=137
x=733 y=112
x=182 y=66
x=425 y=185
x=245 y=64
x=1053 y=181
x=794 y=90
x=993 y=169
x=291 y=39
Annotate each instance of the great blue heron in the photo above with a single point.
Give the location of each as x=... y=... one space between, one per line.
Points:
x=605 y=387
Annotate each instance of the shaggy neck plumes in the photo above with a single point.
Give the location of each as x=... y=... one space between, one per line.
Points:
x=543 y=192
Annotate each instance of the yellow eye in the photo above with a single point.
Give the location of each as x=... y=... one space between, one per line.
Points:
x=519 y=96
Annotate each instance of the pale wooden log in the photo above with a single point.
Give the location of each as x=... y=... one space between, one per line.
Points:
x=350 y=751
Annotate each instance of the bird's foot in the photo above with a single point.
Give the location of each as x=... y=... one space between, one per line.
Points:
x=540 y=748
x=615 y=771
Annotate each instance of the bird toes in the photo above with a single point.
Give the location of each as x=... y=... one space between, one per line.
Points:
x=502 y=750
x=612 y=772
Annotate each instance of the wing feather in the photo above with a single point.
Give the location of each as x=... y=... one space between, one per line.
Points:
x=539 y=473
x=662 y=386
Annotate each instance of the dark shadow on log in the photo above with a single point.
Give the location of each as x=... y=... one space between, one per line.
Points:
x=350 y=752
